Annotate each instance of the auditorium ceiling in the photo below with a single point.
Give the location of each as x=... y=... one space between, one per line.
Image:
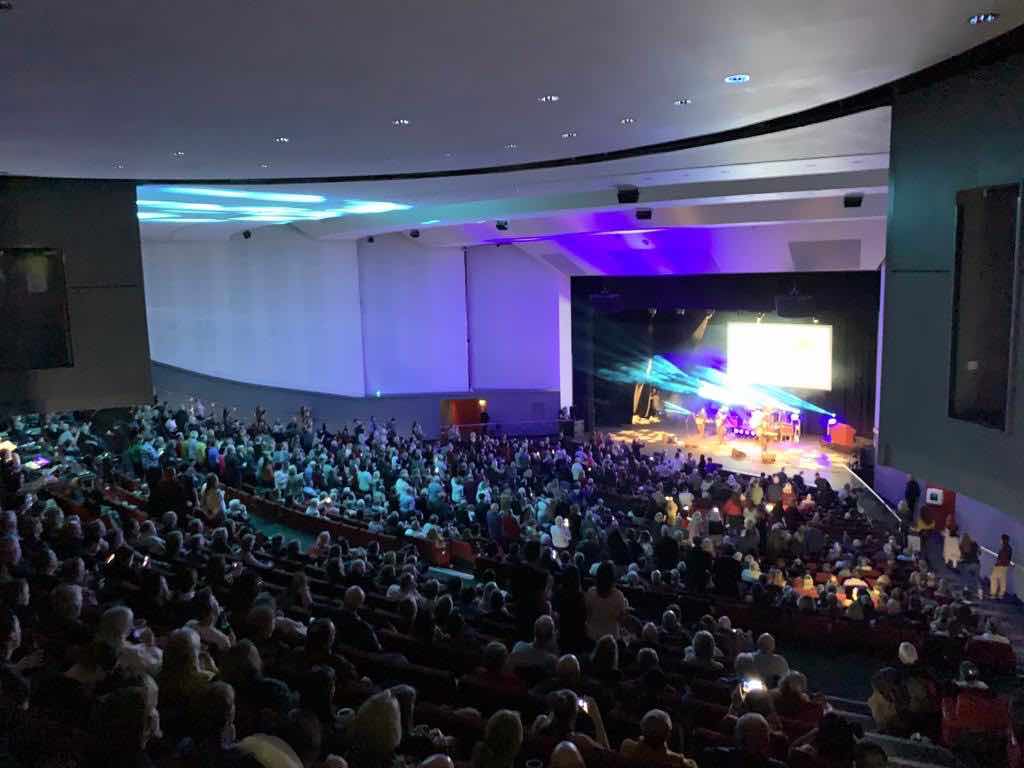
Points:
x=254 y=89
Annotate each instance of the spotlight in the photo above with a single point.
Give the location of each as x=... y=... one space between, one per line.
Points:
x=627 y=194
x=247 y=234
x=760 y=316
x=644 y=214
x=414 y=233
x=814 y=320
x=501 y=225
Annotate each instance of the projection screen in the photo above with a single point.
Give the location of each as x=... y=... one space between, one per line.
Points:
x=786 y=355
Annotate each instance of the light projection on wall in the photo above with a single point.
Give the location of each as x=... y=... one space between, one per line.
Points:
x=214 y=205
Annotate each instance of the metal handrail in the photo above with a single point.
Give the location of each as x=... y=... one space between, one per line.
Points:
x=871 y=490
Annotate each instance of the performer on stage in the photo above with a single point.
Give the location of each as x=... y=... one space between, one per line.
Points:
x=796 y=428
x=720 y=416
x=702 y=421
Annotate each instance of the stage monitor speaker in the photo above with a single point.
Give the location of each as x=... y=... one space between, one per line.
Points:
x=795 y=306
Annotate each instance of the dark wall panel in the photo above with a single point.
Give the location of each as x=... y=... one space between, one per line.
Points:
x=94 y=225
x=962 y=133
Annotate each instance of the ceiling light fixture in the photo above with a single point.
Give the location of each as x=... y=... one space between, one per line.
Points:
x=738 y=77
x=264 y=165
x=400 y=122
x=569 y=135
x=281 y=139
x=628 y=120
x=119 y=165
x=178 y=154
x=983 y=18
x=683 y=102
x=430 y=221
x=511 y=147
x=548 y=99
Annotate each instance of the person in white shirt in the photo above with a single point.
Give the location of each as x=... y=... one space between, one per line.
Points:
x=577 y=471
x=771 y=666
x=561 y=536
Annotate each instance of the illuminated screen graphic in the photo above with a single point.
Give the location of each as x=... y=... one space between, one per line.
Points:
x=785 y=355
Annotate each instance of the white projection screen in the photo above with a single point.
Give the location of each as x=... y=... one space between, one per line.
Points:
x=785 y=355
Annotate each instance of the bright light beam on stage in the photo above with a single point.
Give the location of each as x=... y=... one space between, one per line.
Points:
x=676 y=409
x=709 y=384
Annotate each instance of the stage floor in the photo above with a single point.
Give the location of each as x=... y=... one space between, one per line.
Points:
x=807 y=456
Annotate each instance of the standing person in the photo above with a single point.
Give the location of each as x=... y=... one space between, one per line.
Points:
x=606 y=605
x=997 y=582
x=969 y=566
x=911 y=494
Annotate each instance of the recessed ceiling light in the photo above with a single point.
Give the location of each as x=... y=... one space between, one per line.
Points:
x=400 y=122
x=983 y=18
x=548 y=99
x=264 y=165
x=511 y=147
x=627 y=120
x=177 y=155
x=683 y=102
x=738 y=77
x=119 y=165
x=569 y=135
x=281 y=139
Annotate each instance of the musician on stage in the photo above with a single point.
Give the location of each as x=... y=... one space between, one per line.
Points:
x=720 y=416
x=701 y=420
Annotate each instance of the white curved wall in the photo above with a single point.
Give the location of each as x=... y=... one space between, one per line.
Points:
x=393 y=316
x=278 y=310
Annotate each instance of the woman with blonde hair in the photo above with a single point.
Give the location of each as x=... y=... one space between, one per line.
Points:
x=376 y=732
x=503 y=738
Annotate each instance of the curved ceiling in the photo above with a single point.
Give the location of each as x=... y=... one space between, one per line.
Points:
x=200 y=89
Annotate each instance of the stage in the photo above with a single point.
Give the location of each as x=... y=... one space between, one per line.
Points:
x=807 y=455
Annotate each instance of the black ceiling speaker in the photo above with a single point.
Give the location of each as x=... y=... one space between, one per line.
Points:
x=853 y=200
x=628 y=194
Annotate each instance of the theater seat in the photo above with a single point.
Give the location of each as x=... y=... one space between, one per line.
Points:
x=992 y=657
x=973 y=712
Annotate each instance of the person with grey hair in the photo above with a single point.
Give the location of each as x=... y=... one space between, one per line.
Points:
x=651 y=749
x=751 y=748
x=356 y=631
x=538 y=655
x=700 y=656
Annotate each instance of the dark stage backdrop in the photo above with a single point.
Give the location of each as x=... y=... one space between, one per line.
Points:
x=609 y=329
